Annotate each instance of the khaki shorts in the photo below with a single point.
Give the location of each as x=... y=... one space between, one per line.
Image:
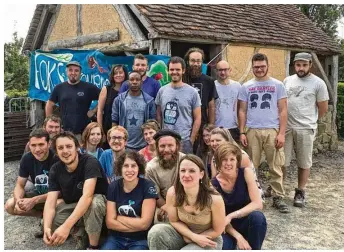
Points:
x=301 y=140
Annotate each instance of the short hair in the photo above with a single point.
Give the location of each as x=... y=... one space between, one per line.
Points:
x=223 y=151
x=150 y=124
x=112 y=73
x=87 y=132
x=260 y=57
x=133 y=155
x=140 y=56
x=134 y=71
x=119 y=128
x=66 y=134
x=192 y=50
x=53 y=118
x=39 y=133
x=176 y=60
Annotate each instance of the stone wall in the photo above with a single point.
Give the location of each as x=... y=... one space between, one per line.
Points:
x=326 y=138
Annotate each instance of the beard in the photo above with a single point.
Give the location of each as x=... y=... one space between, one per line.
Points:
x=302 y=74
x=195 y=71
x=168 y=164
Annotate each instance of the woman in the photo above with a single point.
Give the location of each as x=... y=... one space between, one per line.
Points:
x=149 y=129
x=131 y=202
x=245 y=224
x=107 y=95
x=204 y=150
x=195 y=211
x=91 y=139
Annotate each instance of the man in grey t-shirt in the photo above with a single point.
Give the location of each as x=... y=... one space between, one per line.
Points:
x=263 y=109
x=226 y=104
x=179 y=105
x=307 y=101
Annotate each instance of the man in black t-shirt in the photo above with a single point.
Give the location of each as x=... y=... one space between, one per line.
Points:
x=82 y=184
x=74 y=97
x=205 y=86
x=31 y=189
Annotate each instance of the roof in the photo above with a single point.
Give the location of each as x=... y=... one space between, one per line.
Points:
x=278 y=25
x=275 y=25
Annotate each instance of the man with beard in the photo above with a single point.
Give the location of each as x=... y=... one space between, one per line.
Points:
x=81 y=183
x=74 y=97
x=263 y=109
x=226 y=105
x=149 y=85
x=162 y=169
x=117 y=138
x=178 y=106
x=307 y=102
x=31 y=189
x=204 y=84
x=133 y=108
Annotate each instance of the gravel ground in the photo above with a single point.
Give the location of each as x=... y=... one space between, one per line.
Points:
x=318 y=226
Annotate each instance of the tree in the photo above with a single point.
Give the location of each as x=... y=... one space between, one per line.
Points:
x=16 y=68
x=341 y=63
x=325 y=16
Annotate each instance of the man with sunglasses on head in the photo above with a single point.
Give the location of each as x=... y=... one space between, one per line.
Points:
x=263 y=110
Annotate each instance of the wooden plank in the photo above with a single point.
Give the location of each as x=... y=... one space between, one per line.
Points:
x=143 y=20
x=160 y=47
x=51 y=26
x=78 y=17
x=287 y=62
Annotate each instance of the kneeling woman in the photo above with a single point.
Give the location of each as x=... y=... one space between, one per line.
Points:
x=245 y=224
x=195 y=210
x=131 y=202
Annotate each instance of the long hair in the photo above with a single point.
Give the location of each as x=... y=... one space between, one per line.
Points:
x=225 y=134
x=112 y=73
x=87 y=132
x=203 y=148
x=186 y=75
x=204 y=198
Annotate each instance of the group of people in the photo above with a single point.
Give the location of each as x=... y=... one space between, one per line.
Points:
x=133 y=174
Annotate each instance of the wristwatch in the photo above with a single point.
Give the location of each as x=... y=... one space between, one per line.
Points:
x=242 y=133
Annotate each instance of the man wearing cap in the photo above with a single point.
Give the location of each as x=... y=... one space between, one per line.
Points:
x=162 y=169
x=307 y=101
x=74 y=97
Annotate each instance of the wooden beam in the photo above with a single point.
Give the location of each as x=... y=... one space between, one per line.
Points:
x=129 y=23
x=213 y=52
x=123 y=47
x=249 y=66
x=51 y=26
x=79 y=21
x=287 y=63
x=39 y=30
x=333 y=60
x=160 y=47
x=143 y=20
x=324 y=76
x=102 y=37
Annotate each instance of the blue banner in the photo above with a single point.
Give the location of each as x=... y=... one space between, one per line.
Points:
x=48 y=69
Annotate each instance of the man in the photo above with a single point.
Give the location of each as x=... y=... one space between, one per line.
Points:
x=226 y=104
x=31 y=188
x=149 y=85
x=307 y=101
x=52 y=125
x=263 y=109
x=162 y=169
x=117 y=138
x=74 y=97
x=133 y=108
x=179 y=106
x=82 y=184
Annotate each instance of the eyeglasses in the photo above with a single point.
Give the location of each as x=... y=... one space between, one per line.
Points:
x=195 y=61
x=119 y=138
x=258 y=67
x=222 y=70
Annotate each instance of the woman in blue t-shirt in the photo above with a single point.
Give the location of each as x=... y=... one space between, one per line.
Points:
x=91 y=140
x=131 y=202
x=245 y=224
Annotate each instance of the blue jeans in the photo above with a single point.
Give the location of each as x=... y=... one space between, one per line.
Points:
x=122 y=243
x=252 y=228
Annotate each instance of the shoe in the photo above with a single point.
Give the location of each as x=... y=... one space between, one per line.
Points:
x=299 y=198
x=268 y=192
x=39 y=233
x=279 y=204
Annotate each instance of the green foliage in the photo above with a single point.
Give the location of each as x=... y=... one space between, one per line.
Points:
x=14 y=93
x=340 y=110
x=325 y=16
x=341 y=63
x=16 y=68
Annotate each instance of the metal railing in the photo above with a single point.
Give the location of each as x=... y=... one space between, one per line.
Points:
x=19 y=104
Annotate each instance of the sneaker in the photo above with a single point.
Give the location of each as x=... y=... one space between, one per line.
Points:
x=279 y=204
x=268 y=192
x=299 y=198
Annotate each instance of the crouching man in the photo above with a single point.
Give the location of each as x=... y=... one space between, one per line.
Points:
x=82 y=184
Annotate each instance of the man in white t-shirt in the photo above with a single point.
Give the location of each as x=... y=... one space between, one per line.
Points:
x=307 y=101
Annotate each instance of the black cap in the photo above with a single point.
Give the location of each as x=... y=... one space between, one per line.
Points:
x=167 y=132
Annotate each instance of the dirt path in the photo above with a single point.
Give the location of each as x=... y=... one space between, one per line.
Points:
x=318 y=226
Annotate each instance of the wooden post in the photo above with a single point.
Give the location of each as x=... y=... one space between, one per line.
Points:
x=78 y=18
x=215 y=49
x=287 y=63
x=160 y=47
x=333 y=62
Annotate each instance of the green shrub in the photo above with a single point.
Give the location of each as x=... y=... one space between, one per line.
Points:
x=341 y=88
x=15 y=93
x=340 y=110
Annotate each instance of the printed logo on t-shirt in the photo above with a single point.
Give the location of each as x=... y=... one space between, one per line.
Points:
x=80 y=94
x=295 y=91
x=42 y=183
x=127 y=210
x=198 y=87
x=80 y=185
x=171 y=112
x=265 y=99
x=152 y=190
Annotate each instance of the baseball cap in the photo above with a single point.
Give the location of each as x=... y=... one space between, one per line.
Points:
x=166 y=132
x=303 y=56
x=73 y=63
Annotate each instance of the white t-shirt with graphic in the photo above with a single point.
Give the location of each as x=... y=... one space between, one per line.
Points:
x=303 y=95
x=262 y=98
